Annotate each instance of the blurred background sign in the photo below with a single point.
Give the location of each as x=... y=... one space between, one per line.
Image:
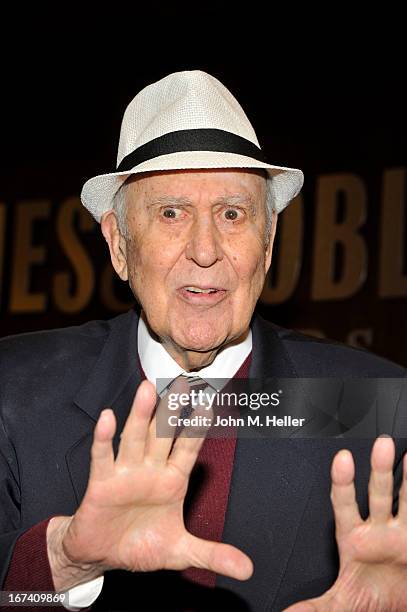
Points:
x=339 y=266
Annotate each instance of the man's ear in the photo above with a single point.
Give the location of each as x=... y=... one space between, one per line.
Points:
x=116 y=242
x=269 y=248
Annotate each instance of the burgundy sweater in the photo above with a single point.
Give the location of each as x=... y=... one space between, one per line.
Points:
x=29 y=568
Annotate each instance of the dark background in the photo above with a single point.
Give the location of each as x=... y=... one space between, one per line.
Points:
x=324 y=89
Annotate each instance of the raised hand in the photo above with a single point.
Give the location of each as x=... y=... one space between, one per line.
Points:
x=373 y=553
x=131 y=516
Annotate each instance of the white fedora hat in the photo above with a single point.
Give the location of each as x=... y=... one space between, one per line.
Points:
x=187 y=120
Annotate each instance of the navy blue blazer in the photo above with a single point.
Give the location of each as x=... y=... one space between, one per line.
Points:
x=53 y=385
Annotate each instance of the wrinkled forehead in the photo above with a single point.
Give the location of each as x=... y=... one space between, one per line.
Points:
x=247 y=179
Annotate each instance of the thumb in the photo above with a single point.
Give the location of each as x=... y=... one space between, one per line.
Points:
x=219 y=558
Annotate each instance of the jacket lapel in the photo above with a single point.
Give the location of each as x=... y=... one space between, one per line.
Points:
x=112 y=383
x=270 y=486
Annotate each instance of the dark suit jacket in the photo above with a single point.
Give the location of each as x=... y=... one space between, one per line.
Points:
x=53 y=385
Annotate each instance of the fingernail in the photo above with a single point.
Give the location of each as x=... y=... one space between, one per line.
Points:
x=384 y=435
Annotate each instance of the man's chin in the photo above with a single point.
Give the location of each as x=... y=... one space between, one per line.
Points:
x=193 y=342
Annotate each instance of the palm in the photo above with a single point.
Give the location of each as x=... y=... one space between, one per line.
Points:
x=124 y=508
x=131 y=516
x=376 y=544
x=373 y=553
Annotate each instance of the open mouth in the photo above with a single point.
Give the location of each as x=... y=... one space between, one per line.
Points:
x=201 y=295
x=199 y=290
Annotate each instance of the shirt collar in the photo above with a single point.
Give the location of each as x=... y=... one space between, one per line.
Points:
x=157 y=363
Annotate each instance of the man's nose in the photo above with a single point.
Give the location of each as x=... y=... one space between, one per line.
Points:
x=204 y=243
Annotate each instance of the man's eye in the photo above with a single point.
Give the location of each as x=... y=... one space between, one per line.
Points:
x=171 y=213
x=231 y=214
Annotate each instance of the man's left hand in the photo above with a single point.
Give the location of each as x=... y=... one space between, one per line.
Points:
x=372 y=553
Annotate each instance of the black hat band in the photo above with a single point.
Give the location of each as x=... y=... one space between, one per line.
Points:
x=200 y=139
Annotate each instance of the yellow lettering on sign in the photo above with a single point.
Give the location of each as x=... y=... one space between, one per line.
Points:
x=360 y=338
x=67 y=300
x=392 y=281
x=329 y=234
x=25 y=255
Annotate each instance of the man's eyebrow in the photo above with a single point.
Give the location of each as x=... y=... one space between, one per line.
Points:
x=235 y=198
x=229 y=200
x=166 y=200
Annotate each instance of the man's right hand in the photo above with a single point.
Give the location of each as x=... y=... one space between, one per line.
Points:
x=131 y=516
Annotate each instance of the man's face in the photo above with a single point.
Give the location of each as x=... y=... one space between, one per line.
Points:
x=195 y=255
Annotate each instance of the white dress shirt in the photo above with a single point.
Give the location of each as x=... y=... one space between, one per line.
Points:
x=158 y=364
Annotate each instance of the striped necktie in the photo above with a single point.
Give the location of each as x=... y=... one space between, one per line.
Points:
x=196 y=383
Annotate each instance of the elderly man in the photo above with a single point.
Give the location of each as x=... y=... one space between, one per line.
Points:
x=117 y=516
